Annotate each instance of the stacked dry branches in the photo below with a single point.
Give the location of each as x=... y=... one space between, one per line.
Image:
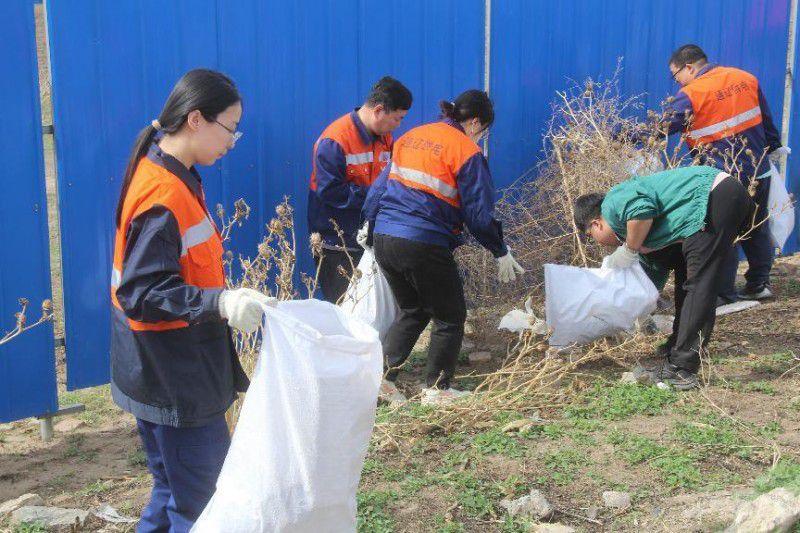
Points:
x=527 y=383
x=590 y=145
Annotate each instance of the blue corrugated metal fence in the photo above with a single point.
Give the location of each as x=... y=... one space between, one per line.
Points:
x=27 y=366
x=301 y=64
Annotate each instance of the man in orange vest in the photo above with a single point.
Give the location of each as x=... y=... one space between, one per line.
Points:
x=725 y=118
x=348 y=157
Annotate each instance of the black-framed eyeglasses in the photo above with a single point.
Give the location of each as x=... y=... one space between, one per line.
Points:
x=676 y=72
x=235 y=134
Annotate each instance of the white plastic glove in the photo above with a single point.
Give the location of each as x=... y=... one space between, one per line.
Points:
x=622 y=257
x=242 y=308
x=508 y=268
x=363 y=235
x=778 y=153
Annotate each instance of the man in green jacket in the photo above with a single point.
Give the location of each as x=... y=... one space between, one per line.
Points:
x=686 y=220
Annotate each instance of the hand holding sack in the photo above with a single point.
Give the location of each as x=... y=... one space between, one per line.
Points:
x=622 y=257
x=242 y=308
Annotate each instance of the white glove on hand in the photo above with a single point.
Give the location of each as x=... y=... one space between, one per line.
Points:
x=623 y=257
x=363 y=235
x=778 y=153
x=242 y=308
x=508 y=268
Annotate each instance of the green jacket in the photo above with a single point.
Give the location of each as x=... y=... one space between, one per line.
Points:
x=676 y=200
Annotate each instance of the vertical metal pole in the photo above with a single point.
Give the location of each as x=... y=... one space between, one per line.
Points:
x=789 y=81
x=487 y=55
x=46 y=428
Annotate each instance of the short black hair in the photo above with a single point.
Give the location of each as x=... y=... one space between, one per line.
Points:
x=586 y=209
x=391 y=94
x=688 y=54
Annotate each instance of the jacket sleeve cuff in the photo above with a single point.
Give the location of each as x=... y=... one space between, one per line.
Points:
x=210 y=304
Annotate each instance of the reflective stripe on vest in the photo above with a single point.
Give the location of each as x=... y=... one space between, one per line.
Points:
x=385 y=157
x=359 y=159
x=730 y=123
x=420 y=180
x=197 y=234
x=116 y=277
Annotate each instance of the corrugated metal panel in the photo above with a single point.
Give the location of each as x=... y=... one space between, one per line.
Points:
x=298 y=65
x=27 y=366
x=538 y=45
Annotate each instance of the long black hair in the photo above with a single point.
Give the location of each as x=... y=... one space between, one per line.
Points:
x=469 y=104
x=207 y=91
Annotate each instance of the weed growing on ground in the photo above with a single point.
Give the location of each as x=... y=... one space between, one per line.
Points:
x=785 y=474
x=619 y=401
x=374 y=515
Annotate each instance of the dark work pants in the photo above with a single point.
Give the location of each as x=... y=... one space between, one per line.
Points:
x=185 y=463
x=698 y=263
x=332 y=283
x=425 y=281
x=758 y=247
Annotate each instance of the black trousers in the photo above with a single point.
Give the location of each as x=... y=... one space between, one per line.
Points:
x=758 y=247
x=425 y=281
x=698 y=263
x=332 y=283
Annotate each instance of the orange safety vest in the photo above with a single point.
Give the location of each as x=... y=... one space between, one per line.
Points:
x=364 y=162
x=429 y=157
x=724 y=103
x=201 y=248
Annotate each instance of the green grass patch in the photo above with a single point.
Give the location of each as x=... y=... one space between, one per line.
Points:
x=74 y=448
x=97 y=400
x=495 y=441
x=30 y=527
x=564 y=464
x=775 y=363
x=720 y=437
x=785 y=474
x=791 y=288
x=137 y=458
x=677 y=468
x=97 y=487
x=442 y=525
x=374 y=515
x=619 y=401
x=764 y=387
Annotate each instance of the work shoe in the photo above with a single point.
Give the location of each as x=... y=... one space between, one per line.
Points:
x=388 y=393
x=678 y=378
x=756 y=292
x=439 y=397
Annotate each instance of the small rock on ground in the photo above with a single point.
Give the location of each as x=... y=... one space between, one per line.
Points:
x=534 y=504
x=552 y=528
x=480 y=357
x=616 y=500
x=774 y=512
x=663 y=323
x=708 y=511
x=53 y=518
x=25 y=500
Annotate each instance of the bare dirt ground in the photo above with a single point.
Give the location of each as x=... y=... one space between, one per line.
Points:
x=662 y=447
